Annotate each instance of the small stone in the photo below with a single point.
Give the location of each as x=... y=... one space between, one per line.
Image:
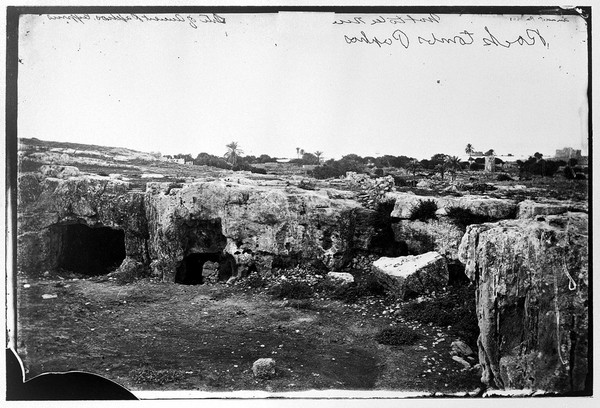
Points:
x=48 y=296
x=461 y=348
x=462 y=361
x=264 y=368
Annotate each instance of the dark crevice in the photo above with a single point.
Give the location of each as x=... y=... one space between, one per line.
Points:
x=89 y=251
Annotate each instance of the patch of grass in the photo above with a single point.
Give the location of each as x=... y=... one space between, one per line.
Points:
x=455 y=308
x=158 y=377
x=424 y=210
x=291 y=290
x=397 y=336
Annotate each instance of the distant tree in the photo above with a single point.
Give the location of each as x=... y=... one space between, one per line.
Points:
x=538 y=156
x=309 y=158
x=413 y=166
x=233 y=153
x=469 y=150
x=490 y=152
x=187 y=157
x=318 y=155
x=453 y=163
x=265 y=158
x=439 y=162
x=301 y=152
x=298 y=152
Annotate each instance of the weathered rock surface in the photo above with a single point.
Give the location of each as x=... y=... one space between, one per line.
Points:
x=495 y=208
x=440 y=235
x=47 y=204
x=533 y=209
x=242 y=226
x=273 y=226
x=532 y=301
x=410 y=276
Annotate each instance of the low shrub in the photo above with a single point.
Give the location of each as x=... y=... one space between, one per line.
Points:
x=424 y=210
x=504 y=177
x=397 y=336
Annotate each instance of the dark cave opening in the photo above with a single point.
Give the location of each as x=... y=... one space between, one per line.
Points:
x=193 y=270
x=89 y=251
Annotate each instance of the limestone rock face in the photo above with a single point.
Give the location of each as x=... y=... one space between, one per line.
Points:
x=45 y=205
x=408 y=276
x=440 y=235
x=270 y=226
x=175 y=227
x=532 y=301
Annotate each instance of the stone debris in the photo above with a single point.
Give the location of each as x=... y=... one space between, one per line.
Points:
x=49 y=296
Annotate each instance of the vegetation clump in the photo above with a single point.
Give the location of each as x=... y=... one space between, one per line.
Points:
x=397 y=336
x=424 y=210
x=504 y=177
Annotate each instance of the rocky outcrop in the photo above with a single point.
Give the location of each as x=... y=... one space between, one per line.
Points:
x=243 y=226
x=532 y=301
x=533 y=209
x=47 y=204
x=273 y=226
x=410 y=276
x=493 y=208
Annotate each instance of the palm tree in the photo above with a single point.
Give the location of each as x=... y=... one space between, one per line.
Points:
x=469 y=150
x=318 y=153
x=298 y=152
x=453 y=164
x=233 y=153
x=413 y=166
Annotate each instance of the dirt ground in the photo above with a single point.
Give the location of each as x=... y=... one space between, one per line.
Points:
x=156 y=336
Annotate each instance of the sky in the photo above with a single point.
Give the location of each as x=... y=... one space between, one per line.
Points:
x=368 y=84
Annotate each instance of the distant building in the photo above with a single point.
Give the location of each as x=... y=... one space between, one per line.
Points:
x=567 y=153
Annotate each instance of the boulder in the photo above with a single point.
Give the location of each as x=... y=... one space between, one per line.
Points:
x=532 y=301
x=411 y=276
x=342 y=277
x=264 y=368
x=533 y=209
x=461 y=349
x=440 y=235
x=495 y=208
